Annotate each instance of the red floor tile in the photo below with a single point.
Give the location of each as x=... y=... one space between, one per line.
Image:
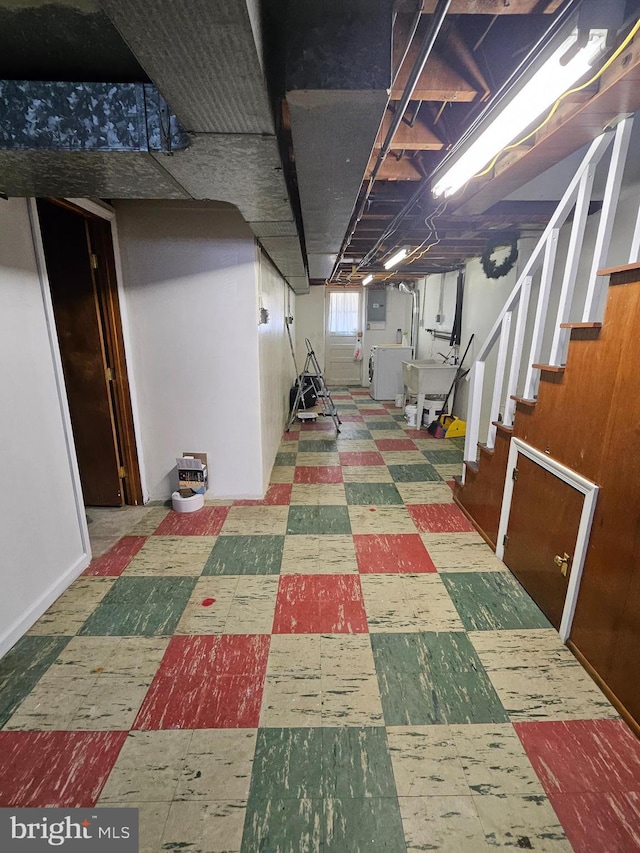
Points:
x=600 y=822
x=278 y=494
x=577 y=756
x=395 y=444
x=417 y=433
x=439 y=518
x=362 y=393
x=366 y=458
x=318 y=474
x=207 y=682
x=64 y=769
x=452 y=485
x=207 y=521
x=352 y=419
x=335 y=396
x=320 y=604
x=402 y=552
x=290 y=436
x=380 y=410
x=116 y=559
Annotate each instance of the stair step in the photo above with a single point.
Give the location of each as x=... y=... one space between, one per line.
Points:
x=457 y=479
x=485 y=449
x=502 y=427
x=580 y=325
x=472 y=466
x=523 y=401
x=549 y=368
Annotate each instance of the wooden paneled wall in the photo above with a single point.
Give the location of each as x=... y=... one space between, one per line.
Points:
x=588 y=418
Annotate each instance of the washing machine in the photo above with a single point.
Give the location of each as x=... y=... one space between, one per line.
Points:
x=385 y=370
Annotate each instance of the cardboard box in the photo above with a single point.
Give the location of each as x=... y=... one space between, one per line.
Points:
x=192 y=474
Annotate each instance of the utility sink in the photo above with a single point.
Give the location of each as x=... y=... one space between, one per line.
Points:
x=427 y=377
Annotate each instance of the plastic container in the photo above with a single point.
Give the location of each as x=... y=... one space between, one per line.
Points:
x=399 y=399
x=411 y=413
x=190 y=504
x=431 y=410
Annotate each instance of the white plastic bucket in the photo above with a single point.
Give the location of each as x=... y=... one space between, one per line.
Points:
x=411 y=413
x=190 y=504
x=399 y=399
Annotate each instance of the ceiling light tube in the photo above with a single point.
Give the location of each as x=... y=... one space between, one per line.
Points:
x=539 y=93
x=368 y=279
x=394 y=260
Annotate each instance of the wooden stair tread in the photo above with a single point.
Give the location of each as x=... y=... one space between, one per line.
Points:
x=485 y=448
x=472 y=466
x=502 y=427
x=523 y=400
x=550 y=368
x=457 y=479
x=580 y=325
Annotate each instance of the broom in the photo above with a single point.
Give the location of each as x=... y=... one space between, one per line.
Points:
x=437 y=428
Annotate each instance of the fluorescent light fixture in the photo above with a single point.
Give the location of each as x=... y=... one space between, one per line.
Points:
x=394 y=260
x=368 y=279
x=540 y=92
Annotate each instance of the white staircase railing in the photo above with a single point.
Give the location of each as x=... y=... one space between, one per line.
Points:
x=577 y=198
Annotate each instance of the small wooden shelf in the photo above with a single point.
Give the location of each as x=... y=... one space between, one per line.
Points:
x=523 y=401
x=549 y=368
x=580 y=325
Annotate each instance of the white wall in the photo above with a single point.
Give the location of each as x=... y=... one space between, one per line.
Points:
x=42 y=547
x=309 y=323
x=430 y=290
x=190 y=283
x=398 y=317
x=276 y=364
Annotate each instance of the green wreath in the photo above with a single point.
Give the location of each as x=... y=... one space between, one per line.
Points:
x=489 y=266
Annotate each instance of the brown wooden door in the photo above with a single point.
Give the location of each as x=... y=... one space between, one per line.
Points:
x=79 y=325
x=543 y=522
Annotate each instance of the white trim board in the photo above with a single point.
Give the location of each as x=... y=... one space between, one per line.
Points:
x=581 y=484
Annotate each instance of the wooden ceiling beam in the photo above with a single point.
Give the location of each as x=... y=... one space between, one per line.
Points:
x=438 y=81
x=420 y=137
x=486 y=7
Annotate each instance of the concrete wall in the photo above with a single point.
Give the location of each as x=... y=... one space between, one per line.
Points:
x=276 y=364
x=190 y=282
x=42 y=528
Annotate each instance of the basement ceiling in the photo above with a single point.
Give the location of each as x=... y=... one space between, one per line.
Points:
x=281 y=107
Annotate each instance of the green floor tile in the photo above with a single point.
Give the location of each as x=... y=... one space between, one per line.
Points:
x=433 y=678
x=443 y=457
x=319 y=445
x=464 y=690
x=22 y=667
x=287 y=764
x=140 y=606
x=356 y=763
x=377 y=425
x=459 y=441
x=347 y=434
x=398 y=416
x=245 y=555
x=318 y=519
x=283 y=826
x=407 y=691
x=285 y=459
x=492 y=601
x=414 y=473
x=368 y=825
x=372 y=494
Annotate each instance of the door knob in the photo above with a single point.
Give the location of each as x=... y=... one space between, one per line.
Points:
x=562 y=563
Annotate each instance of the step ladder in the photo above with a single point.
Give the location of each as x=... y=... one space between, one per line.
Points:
x=316 y=379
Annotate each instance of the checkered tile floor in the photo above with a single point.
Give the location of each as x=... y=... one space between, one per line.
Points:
x=342 y=667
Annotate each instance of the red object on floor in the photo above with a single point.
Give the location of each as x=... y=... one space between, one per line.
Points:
x=278 y=494
x=64 y=769
x=207 y=602
x=439 y=518
x=366 y=458
x=207 y=521
x=207 y=682
x=320 y=604
x=116 y=559
x=392 y=553
x=395 y=444
x=318 y=474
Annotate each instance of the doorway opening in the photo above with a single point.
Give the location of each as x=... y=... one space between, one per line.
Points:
x=343 y=323
x=80 y=263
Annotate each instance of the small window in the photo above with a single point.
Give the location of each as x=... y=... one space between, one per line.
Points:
x=344 y=313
